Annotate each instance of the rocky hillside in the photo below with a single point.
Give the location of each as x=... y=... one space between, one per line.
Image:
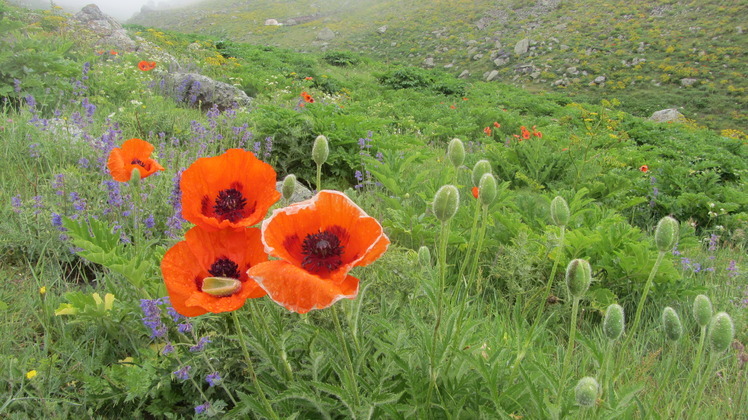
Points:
x=688 y=55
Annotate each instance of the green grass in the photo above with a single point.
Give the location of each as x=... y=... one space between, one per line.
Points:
x=93 y=357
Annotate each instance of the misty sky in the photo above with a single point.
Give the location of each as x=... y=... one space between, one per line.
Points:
x=121 y=9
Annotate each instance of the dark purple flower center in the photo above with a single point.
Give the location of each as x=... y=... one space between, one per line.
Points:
x=138 y=162
x=321 y=251
x=229 y=205
x=224 y=267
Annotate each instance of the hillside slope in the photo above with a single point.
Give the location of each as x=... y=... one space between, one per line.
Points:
x=651 y=55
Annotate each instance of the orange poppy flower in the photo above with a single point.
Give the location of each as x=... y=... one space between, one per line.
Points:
x=475 y=192
x=307 y=97
x=112 y=52
x=147 y=65
x=234 y=190
x=644 y=168
x=496 y=124
x=134 y=154
x=308 y=78
x=318 y=242
x=452 y=107
x=193 y=266
x=487 y=130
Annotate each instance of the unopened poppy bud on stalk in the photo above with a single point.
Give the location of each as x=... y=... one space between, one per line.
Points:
x=456 y=152
x=487 y=189
x=578 y=277
x=702 y=310
x=135 y=177
x=586 y=391
x=424 y=257
x=288 y=187
x=481 y=167
x=614 y=321
x=559 y=211
x=671 y=324
x=666 y=234
x=721 y=332
x=320 y=150
x=446 y=202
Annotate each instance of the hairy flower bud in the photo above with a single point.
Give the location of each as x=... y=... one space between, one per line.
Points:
x=481 y=167
x=424 y=257
x=559 y=211
x=671 y=324
x=487 y=189
x=614 y=322
x=456 y=152
x=446 y=202
x=666 y=234
x=702 y=310
x=320 y=150
x=721 y=331
x=288 y=187
x=578 y=277
x=586 y=391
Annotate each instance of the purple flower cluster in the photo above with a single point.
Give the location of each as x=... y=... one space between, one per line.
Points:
x=183 y=373
x=152 y=318
x=200 y=409
x=174 y=223
x=200 y=346
x=213 y=379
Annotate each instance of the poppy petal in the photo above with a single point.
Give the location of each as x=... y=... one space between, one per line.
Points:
x=299 y=291
x=180 y=268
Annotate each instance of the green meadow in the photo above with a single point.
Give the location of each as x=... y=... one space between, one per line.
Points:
x=548 y=258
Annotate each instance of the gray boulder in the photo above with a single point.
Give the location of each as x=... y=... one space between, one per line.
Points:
x=109 y=33
x=666 y=115
x=522 y=46
x=203 y=92
x=300 y=193
x=326 y=34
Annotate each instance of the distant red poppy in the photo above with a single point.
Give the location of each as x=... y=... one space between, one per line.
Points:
x=464 y=99
x=147 y=65
x=307 y=97
x=487 y=130
x=318 y=242
x=134 y=154
x=112 y=52
x=496 y=124
x=565 y=149
x=644 y=168
x=475 y=192
x=308 y=78
x=452 y=107
x=195 y=269
x=234 y=190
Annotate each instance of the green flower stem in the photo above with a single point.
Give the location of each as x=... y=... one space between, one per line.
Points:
x=288 y=372
x=251 y=369
x=702 y=383
x=319 y=177
x=640 y=306
x=137 y=205
x=668 y=369
x=473 y=231
x=348 y=359
x=694 y=370
x=569 y=348
x=443 y=239
x=479 y=248
x=523 y=351
x=604 y=380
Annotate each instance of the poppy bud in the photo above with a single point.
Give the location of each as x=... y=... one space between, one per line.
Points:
x=666 y=234
x=487 y=189
x=586 y=391
x=424 y=257
x=721 y=332
x=135 y=177
x=578 y=277
x=221 y=286
x=481 y=167
x=446 y=202
x=456 y=152
x=288 y=187
x=559 y=211
x=702 y=310
x=320 y=150
x=671 y=323
x=614 y=321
